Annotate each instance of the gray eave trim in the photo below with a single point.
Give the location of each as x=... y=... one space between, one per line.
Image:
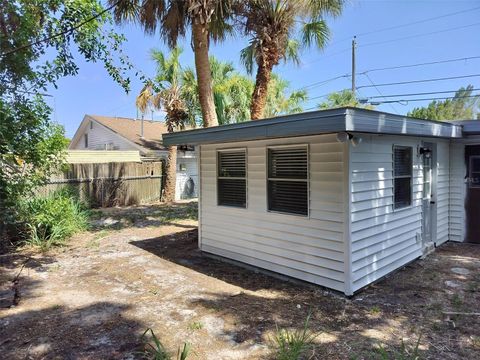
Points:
x=314 y=123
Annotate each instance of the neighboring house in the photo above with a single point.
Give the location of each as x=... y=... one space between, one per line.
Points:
x=339 y=197
x=103 y=133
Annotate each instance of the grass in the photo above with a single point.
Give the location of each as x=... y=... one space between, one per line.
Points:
x=196 y=325
x=155 y=350
x=457 y=302
x=375 y=310
x=292 y=344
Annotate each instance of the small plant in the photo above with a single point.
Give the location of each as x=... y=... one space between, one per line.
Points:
x=291 y=344
x=196 y=325
x=404 y=353
x=375 y=310
x=155 y=350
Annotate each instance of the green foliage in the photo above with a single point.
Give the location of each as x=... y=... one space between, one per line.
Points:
x=49 y=221
x=462 y=107
x=292 y=344
x=196 y=325
x=36 y=50
x=233 y=93
x=155 y=350
x=341 y=99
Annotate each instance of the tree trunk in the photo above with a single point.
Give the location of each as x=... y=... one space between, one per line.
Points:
x=204 y=75
x=259 y=97
x=171 y=175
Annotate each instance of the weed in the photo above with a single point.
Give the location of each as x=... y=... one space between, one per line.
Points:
x=375 y=310
x=291 y=344
x=157 y=350
x=404 y=353
x=154 y=291
x=196 y=325
x=54 y=268
x=457 y=301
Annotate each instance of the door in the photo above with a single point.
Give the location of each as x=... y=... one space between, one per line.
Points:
x=428 y=201
x=472 y=201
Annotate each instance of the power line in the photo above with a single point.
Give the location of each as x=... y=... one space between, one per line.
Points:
x=419 y=64
x=417 y=22
x=421 y=81
x=417 y=94
x=378 y=90
x=418 y=35
x=64 y=32
x=427 y=99
x=320 y=83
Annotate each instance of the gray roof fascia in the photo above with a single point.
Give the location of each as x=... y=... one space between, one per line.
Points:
x=314 y=123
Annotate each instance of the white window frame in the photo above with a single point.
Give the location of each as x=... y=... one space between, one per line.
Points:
x=307 y=180
x=217 y=163
x=394 y=177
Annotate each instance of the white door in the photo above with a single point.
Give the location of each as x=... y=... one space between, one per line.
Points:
x=428 y=199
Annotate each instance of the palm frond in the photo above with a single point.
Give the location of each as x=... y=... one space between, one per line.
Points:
x=247 y=57
x=316 y=33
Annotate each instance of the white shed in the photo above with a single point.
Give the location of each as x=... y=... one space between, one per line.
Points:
x=339 y=198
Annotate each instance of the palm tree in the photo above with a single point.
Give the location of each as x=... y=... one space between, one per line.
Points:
x=278 y=29
x=341 y=99
x=165 y=94
x=208 y=20
x=278 y=102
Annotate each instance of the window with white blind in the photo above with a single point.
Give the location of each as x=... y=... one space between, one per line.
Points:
x=232 y=178
x=287 y=181
x=402 y=174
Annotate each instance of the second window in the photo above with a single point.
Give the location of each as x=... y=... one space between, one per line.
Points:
x=287 y=182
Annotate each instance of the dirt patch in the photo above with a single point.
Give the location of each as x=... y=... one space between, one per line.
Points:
x=94 y=299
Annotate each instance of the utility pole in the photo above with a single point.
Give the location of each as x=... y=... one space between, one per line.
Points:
x=354 y=44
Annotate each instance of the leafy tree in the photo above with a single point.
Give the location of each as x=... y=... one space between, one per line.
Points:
x=463 y=106
x=277 y=30
x=207 y=19
x=341 y=99
x=166 y=93
x=36 y=41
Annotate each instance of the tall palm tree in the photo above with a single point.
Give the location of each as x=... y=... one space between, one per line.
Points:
x=165 y=94
x=278 y=29
x=208 y=20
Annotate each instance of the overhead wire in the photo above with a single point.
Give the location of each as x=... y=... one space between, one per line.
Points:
x=420 y=81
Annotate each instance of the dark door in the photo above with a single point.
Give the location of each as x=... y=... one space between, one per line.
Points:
x=472 y=202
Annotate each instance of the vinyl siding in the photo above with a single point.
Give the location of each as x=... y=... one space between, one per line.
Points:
x=457 y=191
x=382 y=239
x=442 y=196
x=458 y=187
x=309 y=248
x=99 y=136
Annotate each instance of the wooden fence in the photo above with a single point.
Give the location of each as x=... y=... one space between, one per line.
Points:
x=111 y=184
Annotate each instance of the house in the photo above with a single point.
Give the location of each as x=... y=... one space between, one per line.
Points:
x=122 y=136
x=338 y=197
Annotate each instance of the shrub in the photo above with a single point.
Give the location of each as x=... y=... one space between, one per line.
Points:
x=50 y=220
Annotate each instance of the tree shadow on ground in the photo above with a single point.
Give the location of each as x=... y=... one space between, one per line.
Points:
x=404 y=306
x=145 y=216
x=96 y=331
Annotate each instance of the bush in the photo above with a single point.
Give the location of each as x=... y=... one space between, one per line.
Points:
x=49 y=221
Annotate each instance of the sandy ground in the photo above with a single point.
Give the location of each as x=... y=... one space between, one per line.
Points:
x=140 y=268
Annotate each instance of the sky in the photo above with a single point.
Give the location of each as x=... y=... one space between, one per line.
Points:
x=388 y=33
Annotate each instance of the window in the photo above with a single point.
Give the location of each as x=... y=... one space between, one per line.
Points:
x=91 y=125
x=231 y=178
x=288 y=180
x=402 y=174
x=85 y=138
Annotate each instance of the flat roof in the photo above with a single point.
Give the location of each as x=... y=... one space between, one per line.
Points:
x=470 y=127
x=315 y=123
